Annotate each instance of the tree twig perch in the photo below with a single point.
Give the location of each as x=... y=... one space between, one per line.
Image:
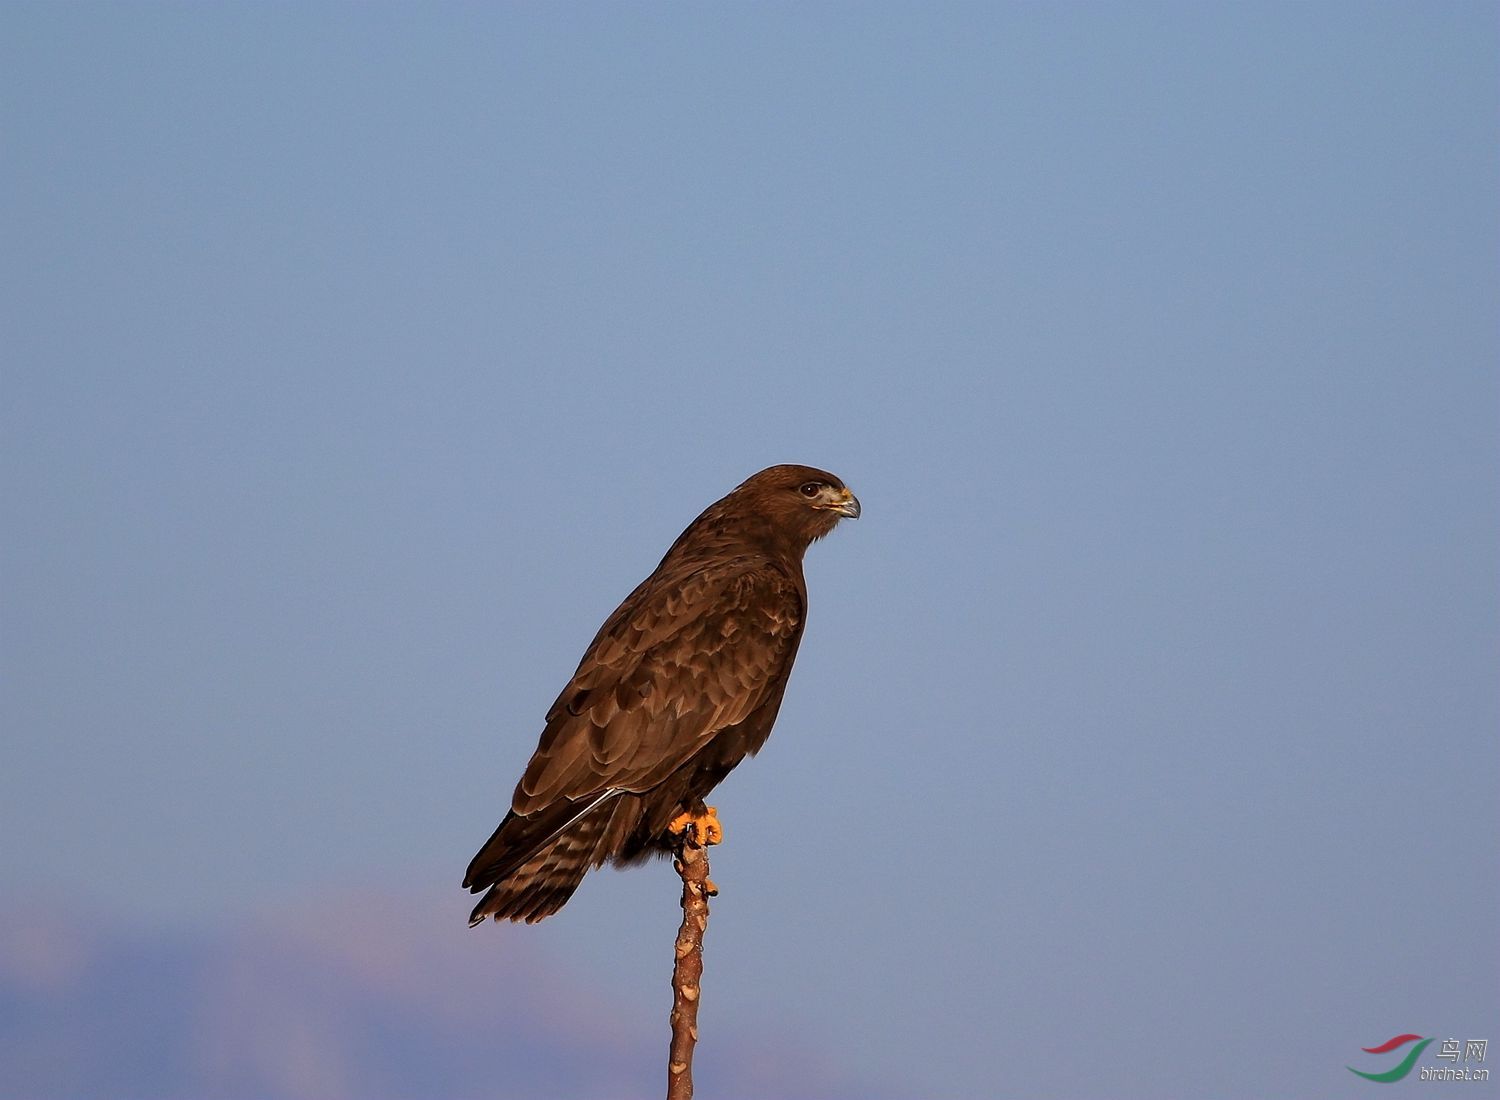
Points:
x=687 y=970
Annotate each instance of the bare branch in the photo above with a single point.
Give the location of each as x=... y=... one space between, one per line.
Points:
x=687 y=970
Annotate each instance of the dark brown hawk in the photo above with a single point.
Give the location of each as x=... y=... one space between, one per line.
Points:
x=679 y=685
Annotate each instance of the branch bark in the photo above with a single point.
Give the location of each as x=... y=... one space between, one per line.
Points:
x=687 y=971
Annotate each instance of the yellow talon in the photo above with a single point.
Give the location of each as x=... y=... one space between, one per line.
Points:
x=701 y=829
x=709 y=827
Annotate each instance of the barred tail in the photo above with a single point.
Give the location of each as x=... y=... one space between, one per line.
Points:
x=532 y=865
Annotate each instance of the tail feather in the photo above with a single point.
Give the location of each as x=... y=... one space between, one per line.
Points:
x=532 y=865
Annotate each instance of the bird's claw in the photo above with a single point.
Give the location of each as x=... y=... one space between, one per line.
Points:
x=701 y=829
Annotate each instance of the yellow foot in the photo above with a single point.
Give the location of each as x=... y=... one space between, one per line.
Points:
x=703 y=829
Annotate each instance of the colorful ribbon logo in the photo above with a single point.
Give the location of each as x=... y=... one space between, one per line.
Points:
x=1406 y=1063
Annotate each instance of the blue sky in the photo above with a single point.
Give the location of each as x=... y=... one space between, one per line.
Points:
x=358 y=360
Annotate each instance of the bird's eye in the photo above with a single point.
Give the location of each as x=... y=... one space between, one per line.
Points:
x=810 y=489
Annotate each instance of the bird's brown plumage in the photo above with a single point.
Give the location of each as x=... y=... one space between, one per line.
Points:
x=680 y=684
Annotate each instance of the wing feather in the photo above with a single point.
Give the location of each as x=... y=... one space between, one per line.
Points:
x=680 y=660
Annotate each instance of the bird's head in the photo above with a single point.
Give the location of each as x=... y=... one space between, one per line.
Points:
x=802 y=503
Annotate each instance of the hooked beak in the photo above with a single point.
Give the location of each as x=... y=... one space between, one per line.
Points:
x=847 y=505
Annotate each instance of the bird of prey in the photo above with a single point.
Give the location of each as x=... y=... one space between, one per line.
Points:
x=679 y=685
